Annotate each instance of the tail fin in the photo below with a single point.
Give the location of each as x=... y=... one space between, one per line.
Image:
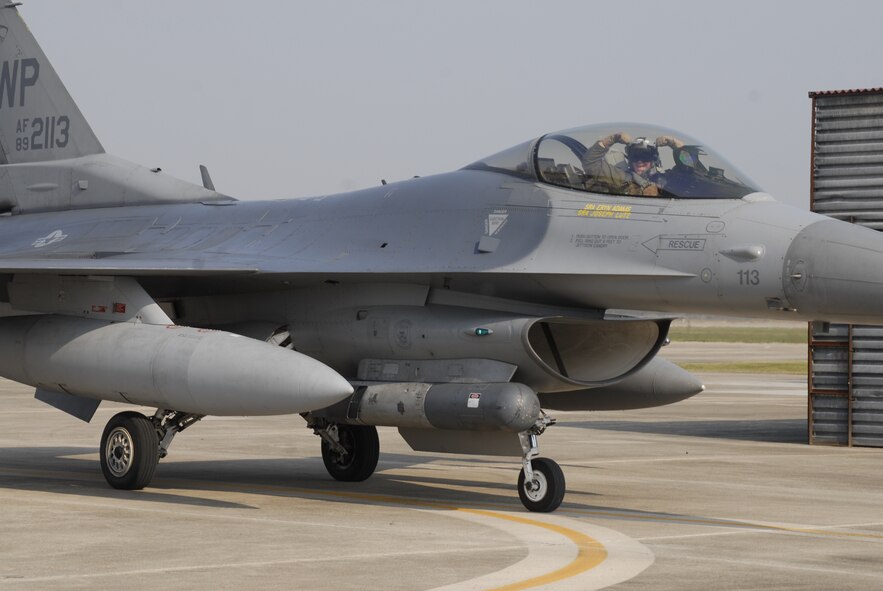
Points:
x=50 y=159
x=39 y=120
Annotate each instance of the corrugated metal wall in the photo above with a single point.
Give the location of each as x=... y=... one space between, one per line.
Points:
x=847 y=163
x=846 y=361
x=829 y=394
x=867 y=386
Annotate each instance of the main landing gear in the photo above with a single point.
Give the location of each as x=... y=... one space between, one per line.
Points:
x=350 y=452
x=132 y=445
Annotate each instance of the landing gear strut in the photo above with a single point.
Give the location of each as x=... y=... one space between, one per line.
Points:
x=350 y=452
x=541 y=482
x=132 y=445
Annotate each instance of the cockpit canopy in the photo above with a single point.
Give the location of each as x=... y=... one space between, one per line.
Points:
x=624 y=159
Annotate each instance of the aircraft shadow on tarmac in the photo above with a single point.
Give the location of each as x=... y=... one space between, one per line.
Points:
x=761 y=430
x=58 y=472
x=50 y=469
x=67 y=470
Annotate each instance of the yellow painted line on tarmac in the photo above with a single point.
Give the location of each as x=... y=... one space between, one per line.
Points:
x=590 y=552
x=215 y=485
x=429 y=504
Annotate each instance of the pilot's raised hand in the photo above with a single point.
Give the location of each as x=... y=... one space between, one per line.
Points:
x=670 y=141
x=616 y=138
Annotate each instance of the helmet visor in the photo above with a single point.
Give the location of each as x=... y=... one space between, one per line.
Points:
x=641 y=155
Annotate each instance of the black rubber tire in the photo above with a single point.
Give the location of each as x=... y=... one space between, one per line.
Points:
x=364 y=450
x=551 y=486
x=129 y=451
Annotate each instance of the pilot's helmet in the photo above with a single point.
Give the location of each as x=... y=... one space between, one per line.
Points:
x=642 y=149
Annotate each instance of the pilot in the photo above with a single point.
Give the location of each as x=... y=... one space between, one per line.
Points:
x=640 y=174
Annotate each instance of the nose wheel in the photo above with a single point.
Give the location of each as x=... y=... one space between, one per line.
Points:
x=541 y=482
x=543 y=491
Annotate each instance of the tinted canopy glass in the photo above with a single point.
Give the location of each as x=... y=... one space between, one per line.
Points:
x=640 y=160
x=624 y=159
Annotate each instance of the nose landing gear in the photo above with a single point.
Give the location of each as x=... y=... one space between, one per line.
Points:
x=541 y=482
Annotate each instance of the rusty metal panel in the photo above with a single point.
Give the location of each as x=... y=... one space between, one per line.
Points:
x=829 y=380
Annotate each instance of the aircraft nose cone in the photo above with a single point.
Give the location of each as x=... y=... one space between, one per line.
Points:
x=834 y=271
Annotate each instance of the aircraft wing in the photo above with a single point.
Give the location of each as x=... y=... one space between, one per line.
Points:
x=295 y=238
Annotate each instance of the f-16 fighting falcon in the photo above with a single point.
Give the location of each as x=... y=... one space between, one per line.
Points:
x=459 y=308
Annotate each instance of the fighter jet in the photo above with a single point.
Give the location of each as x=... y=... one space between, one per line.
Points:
x=458 y=307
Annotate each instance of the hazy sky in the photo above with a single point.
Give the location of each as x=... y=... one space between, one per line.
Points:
x=293 y=98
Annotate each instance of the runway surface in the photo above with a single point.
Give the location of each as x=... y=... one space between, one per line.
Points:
x=720 y=491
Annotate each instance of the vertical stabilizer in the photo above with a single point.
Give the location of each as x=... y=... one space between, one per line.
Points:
x=38 y=118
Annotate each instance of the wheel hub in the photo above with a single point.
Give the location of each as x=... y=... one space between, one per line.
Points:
x=536 y=489
x=119 y=452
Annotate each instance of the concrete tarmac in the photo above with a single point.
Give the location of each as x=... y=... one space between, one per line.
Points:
x=716 y=492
